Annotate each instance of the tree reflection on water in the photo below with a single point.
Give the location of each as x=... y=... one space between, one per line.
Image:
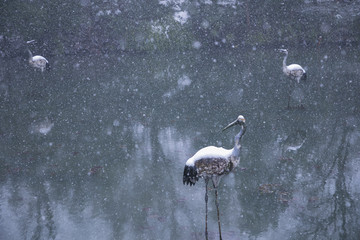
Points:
x=111 y=164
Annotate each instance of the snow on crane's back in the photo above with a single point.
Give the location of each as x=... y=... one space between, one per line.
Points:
x=209 y=152
x=292 y=67
x=39 y=58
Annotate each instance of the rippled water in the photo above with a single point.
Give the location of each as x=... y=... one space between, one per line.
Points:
x=95 y=148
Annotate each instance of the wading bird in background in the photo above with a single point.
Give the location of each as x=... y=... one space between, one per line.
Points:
x=294 y=71
x=212 y=163
x=37 y=61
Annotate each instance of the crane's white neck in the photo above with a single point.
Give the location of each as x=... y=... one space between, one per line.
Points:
x=284 y=61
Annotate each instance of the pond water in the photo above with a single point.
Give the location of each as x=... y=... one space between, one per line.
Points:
x=95 y=148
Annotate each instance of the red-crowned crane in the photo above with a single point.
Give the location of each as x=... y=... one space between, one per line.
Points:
x=213 y=163
x=38 y=61
x=294 y=71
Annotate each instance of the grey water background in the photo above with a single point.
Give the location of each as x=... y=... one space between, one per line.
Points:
x=95 y=148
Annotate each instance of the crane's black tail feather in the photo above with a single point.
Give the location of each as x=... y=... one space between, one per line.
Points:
x=304 y=77
x=190 y=175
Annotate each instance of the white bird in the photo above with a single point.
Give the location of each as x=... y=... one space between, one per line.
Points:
x=213 y=163
x=38 y=61
x=294 y=71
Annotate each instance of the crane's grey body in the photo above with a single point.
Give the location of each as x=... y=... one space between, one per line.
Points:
x=294 y=71
x=204 y=165
x=38 y=61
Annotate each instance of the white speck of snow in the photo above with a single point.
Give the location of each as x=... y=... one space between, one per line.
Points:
x=196 y=44
x=205 y=24
x=266 y=26
x=100 y=13
x=183 y=82
x=116 y=123
x=181 y=17
x=299 y=176
x=77 y=65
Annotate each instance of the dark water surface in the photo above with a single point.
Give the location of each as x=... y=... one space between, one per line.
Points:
x=95 y=148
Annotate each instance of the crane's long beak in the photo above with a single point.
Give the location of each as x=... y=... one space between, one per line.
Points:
x=230 y=125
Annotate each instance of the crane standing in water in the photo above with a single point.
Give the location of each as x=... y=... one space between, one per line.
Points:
x=37 y=61
x=294 y=71
x=212 y=163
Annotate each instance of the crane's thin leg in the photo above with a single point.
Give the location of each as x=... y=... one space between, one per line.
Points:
x=215 y=183
x=206 y=206
x=289 y=97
